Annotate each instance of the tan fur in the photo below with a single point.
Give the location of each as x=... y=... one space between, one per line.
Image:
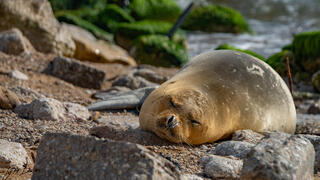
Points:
x=224 y=91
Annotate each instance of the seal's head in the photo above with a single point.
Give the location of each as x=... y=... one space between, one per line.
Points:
x=176 y=115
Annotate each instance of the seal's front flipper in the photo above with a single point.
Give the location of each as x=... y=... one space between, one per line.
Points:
x=122 y=100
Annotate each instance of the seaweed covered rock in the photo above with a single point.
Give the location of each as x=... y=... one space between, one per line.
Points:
x=36 y=21
x=306 y=49
x=72 y=18
x=159 y=50
x=226 y=46
x=166 y=10
x=215 y=18
x=111 y=16
x=75 y=4
x=278 y=61
x=127 y=32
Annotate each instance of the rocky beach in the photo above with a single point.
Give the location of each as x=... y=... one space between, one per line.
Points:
x=73 y=77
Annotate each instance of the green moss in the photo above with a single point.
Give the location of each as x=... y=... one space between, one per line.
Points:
x=159 y=50
x=111 y=16
x=215 y=18
x=226 y=46
x=278 y=62
x=126 y=32
x=307 y=45
x=166 y=10
x=73 y=19
x=75 y=4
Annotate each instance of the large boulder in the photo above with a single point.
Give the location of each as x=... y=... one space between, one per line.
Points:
x=37 y=22
x=64 y=156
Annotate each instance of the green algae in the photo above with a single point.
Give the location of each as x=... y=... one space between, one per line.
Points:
x=226 y=46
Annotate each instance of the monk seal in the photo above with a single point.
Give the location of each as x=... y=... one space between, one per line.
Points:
x=215 y=94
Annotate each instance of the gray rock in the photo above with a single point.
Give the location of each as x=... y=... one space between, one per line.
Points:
x=13 y=42
x=133 y=82
x=247 y=136
x=51 y=109
x=76 y=72
x=18 y=75
x=233 y=148
x=280 y=156
x=13 y=155
x=315 y=140
x=8 y=99
x=221 y=167
x=37 y=22
x=308 y=124
x=150 y=75
x=125 y=128
x=63 y=156
x=123 y=100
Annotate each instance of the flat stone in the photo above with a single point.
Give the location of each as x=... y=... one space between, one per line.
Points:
x=280 y=156
x=308 y=124
x=125 y=128
x=64 y=156
x=8 y=99
x=236 y=149
x=13 y=155
x=18 y=75
x=13 y=42
x=37 y=22
x=150 y=75
x=247 y=136
x=51 y=109
x=76 y=72
x=218 y=167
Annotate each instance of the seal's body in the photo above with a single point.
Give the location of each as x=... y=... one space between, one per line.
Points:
x=215 y=94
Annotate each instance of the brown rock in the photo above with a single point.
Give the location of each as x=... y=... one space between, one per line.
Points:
x=37 y=22
x=8 y=99
x=89 y=49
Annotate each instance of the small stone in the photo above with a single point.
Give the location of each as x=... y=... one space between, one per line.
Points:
x=133 y=82
x=76 y=72
x=18 y=75
x=280 y=156
x=247 y=136
x=150 y=75
x=236 y=149
x=316 y=81
x=51 y=109
x=8 y=99
x=65 y=156
x=221 y=167
x=308 y=124
x=13 y=155
x=13 y=42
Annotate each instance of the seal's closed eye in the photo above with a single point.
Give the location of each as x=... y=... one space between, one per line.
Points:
x=194 y=122
x=172 y=103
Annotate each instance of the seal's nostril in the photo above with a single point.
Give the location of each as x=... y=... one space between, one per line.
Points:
x=170 y=120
